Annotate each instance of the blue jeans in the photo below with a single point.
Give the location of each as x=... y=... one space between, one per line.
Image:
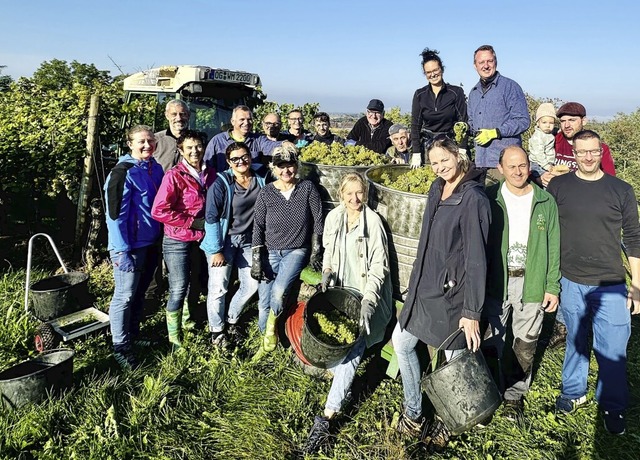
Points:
x=125 y=310
x=604 y=309
x=282 y=268
x=404 y=346
x=236 y=251
x=183 y=260
x=343 y=375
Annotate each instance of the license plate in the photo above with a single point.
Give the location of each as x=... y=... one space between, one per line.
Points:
x=234 y=77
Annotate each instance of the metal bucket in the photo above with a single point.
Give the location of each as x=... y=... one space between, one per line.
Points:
x=402 y=214
x=30 y=381
x=317 y=352
x=58 y=295
x=462 y=391
x=327 y=179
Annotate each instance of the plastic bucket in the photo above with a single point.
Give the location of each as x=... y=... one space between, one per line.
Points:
x=31 y=380
x=317 y=352
x=293 y=326
x=58 y=295
x=462 y=391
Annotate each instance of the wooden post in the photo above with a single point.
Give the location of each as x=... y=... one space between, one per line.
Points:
x=86 y=183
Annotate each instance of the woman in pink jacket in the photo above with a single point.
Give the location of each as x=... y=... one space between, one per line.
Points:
x=179 y=205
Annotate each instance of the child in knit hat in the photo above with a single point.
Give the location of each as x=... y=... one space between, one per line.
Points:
x=542 y=141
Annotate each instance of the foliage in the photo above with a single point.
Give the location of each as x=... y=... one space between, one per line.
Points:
x=309 y=109
x=395 y=116
x=43 y=123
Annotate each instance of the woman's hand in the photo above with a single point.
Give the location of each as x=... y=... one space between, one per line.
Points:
x=217 y=260
x=471 y=331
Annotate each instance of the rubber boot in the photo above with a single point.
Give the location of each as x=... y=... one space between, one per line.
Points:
x=270 y=339
x=187 y=322
x=174 y=323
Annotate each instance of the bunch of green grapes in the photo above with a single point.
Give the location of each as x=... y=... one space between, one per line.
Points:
x=460 y=130
x=417 y=180
x=336 y=328
x=341 y=155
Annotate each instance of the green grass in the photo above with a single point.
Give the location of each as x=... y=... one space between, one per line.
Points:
x=206 y=404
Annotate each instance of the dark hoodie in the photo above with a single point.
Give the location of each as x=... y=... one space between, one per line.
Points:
x=451 y=248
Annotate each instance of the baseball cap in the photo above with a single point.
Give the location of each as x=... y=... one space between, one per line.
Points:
x=376 y=105
x=396 y=128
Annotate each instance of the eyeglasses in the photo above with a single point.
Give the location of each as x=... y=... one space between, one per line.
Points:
x=295 y=119
x=237 y=160
x=583 y=153
x=433 y=73
x=269 y=124
x=374 y=113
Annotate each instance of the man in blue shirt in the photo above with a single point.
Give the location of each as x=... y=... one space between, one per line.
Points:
x=498 y=113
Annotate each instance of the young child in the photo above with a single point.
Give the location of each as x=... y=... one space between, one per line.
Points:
x=542 y=141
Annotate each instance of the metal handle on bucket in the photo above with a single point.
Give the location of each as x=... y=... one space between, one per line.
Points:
x=434 y=364
x=29 y=253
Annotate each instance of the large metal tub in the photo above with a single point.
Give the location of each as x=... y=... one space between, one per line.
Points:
x=402 y=214
x=327 y=179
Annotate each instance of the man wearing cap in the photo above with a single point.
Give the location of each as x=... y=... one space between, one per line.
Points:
x=322 y=125
x=372 y=130
x=498 y=113
x=595 y=209
x=400 y=152
x=573 y=117
x=241 y=131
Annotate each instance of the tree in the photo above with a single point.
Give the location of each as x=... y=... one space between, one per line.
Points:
x=5 y=80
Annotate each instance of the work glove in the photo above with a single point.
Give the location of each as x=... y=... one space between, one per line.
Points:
x=124 y=262
x=460 y=130
x=198 y=224
x=328 y=280
x=316 y=252
x=416 y=160
x=350 y=142
x=256 y=264
x=484 y=136
x=366 y=312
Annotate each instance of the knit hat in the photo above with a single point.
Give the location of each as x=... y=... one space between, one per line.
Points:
x=546 y=109
x=572 y=108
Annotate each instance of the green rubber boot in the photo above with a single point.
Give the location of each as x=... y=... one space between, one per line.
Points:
x=174 y=325
x=187 y=322
x=270 y=339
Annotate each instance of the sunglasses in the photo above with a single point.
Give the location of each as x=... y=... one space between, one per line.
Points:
x=438 y=138
x=237 y=160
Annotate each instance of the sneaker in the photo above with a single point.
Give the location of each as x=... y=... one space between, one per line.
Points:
x=126 y=359
x=559 y=336
x=218 y=339
x=568 y=406
x=145 y=343
x=410 y=427
x=614 y=422
x=436 y=436
x=318 y=436
x=513 y=409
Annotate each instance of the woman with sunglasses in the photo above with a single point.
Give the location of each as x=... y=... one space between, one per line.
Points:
x=435 y=108
x=287 y=235
x=227 y=242
x=447 y=283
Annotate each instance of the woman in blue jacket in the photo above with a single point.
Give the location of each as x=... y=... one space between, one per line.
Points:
x=133 y=234
x=227 y=242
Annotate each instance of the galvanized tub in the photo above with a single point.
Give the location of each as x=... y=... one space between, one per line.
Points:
x=327 y=179
x=402 y=214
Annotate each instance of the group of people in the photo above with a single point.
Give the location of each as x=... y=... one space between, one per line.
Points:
x=536 y=240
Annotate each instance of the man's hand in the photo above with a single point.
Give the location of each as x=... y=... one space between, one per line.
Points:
x=547 y=176
x=550 y=302
x=484 y=136
x=471 y=332
x=367 y=308
x=416 y=160
x=217 y=260
x=633 y=298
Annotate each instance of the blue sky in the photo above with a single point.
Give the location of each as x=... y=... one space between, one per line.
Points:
x=343 y=53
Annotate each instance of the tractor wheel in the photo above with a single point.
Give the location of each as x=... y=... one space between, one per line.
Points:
x=46 y=338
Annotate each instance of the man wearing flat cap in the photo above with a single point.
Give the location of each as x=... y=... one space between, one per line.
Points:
x=372 y=130
x=400 y=152
x=573 y=117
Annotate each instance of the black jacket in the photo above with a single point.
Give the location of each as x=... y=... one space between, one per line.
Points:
x=378 y=142
x=451 y=248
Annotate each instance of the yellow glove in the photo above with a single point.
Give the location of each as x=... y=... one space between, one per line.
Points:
x=485 y=136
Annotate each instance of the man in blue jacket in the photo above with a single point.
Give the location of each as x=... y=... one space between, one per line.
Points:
x=498 y=113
